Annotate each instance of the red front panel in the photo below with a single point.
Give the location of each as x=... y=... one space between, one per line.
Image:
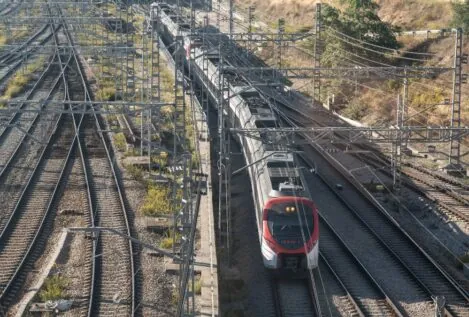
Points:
x=294 y=201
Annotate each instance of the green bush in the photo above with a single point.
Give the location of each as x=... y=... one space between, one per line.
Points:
x=106 y=94
x=167 y=241
x=120 y=142
x=158 y=201
x=53 y=288
x=461 y=15
x=198 y=286
x=135 y=172
x=355 y=111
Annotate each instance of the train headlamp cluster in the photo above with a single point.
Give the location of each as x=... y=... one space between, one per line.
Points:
x=290 y=209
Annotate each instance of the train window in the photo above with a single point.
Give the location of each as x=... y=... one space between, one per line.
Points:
x=279 y=164
x=266 y=124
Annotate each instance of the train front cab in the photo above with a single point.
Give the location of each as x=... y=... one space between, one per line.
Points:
x=287 y=223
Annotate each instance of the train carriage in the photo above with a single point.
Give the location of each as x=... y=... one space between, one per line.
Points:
x=287 y=219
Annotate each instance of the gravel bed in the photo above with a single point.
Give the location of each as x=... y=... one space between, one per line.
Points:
x=422 y=219
x=156 y=286
x=332 y=296
x=74 y=263
x=20 y=170
x=295 y=298
x=382 y=264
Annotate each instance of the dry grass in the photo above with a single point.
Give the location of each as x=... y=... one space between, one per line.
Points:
x=416 y=14
x=410 y=14
x=17 y=84
x=158 y=201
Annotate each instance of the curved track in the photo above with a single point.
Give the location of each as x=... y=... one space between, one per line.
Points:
x=394 y=247
x=374 y=230
x=113 y=284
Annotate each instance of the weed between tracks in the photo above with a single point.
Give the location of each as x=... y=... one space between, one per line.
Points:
x=120 y=142
x=128 y=76
x=17 y=84
x=53 y=288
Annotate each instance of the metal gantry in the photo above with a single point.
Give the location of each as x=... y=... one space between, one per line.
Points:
x=125 y=57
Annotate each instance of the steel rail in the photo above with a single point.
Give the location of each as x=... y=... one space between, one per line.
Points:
x=16 y=62
x=31 y=126
x=393 y=225
x=50 y=201
x=22 y=105
x=12 y=215
x=285 y=307
x=432 y=264
x=7 y=56
x=358 y=269
x=324 y=264
x=78 y=127
x=424 y=184
x=109 y=159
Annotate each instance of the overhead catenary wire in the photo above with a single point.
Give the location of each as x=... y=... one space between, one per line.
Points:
x=377 y=52
x=379 y=46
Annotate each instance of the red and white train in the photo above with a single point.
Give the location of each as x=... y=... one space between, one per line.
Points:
x=287 y=219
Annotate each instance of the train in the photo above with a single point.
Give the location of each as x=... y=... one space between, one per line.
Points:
x=287 y=218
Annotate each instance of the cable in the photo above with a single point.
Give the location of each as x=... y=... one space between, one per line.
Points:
x=379 y=46
x=377 y=52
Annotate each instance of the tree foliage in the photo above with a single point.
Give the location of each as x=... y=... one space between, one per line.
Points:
x=359 y=21
x=461 y=15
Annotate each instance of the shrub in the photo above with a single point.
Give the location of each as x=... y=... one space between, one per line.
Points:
x=198 y=286
x=167 y=241
x=16 y=85
x=461 y=15
x=158 y=201
x=106 y=94
x=355 y=111
x=135 y=172
x=120 y=142
x=53 y=288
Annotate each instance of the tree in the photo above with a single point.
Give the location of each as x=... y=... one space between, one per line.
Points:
x=358 y=4
x=359 y=21
x=461 y=15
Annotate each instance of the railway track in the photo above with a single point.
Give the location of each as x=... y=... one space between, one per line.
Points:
x=11 y=137
x=294 y=298
x=72 y=89
x=391 y=245
x=19 y=152
x=451 y=197
x=112 y=289
x=9 y=8
x=8 y=57
x=333 y=296
x=20 y=233
x=368 y=298
x=398 y=254
x=11 y=61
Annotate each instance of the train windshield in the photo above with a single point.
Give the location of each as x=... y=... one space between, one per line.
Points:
x=290 y=224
